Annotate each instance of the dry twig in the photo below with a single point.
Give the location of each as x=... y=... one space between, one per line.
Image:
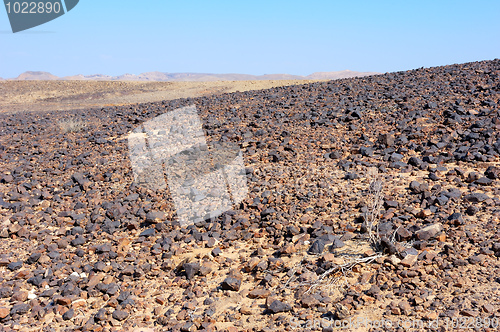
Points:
x=375 y=203
x=330 y=277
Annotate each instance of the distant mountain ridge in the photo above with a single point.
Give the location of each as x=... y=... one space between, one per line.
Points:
x=157 y=76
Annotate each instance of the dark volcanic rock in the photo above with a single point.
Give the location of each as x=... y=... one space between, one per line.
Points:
x=78 y=241
x=68 y=314
x=33 y=258
x=414 y=161
x=148 y=232
x=5 y=292
x=123 y=297
x=373 y=291
x=471 y=210
x=4 y=204
x=100 y=315
x=388 y=245
x=476 y=197
x=484 y=181
x=492 y=172
x=456 y=219
x=81 y=180
x=120 y=315
x=351 y=176
x=15 y=265
x=416 y=187
x=366 y=151
x=317 y=247
x=336 y=244
x=277 y=306
x=19 y=309
x=267 y=212
x=402 y=234
x=191 y=269
x=231 y=283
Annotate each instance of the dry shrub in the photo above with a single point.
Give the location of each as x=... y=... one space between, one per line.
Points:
x=336 y=277
x=374 y=206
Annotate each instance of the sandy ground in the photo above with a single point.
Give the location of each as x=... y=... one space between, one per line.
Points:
x=18 y=96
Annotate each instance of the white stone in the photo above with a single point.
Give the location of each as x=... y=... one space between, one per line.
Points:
x=32 y=295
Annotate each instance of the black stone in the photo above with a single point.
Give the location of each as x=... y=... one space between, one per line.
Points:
x=112 y=289
x=77 y=230
x=123 y=296
x=277 y=306
x=231 y=283
x=484 y=181
x=148 y=232
x=119 y=315
x=366 y=151
x=492 y=172
x=154 y=216
x=335 y=155
x=415 y=187
x=386 y=139
x=351 y=176
x=33 y=258
x=19 y=309
x=403 y=234
x=5 y=292
x=68 y=314
x=317 y=247
x=78 y=241
x=388 y=246
x=471 y=210
x=15 y=265
x=456 y=219
x=476 y=197
x=191 y=269
x=267 y=212
x=100 y=315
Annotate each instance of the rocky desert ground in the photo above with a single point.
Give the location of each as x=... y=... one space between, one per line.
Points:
x=373 y=205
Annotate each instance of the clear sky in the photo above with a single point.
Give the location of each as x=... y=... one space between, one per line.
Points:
x=253 y=37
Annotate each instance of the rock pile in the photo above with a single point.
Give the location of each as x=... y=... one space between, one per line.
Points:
x=84 y=248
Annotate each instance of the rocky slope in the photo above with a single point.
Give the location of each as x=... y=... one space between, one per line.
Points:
x=83 y=248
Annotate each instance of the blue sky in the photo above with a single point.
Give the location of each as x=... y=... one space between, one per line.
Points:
x=253 y=37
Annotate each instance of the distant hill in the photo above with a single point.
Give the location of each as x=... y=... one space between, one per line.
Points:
x=177 y=77
x=36 y=75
